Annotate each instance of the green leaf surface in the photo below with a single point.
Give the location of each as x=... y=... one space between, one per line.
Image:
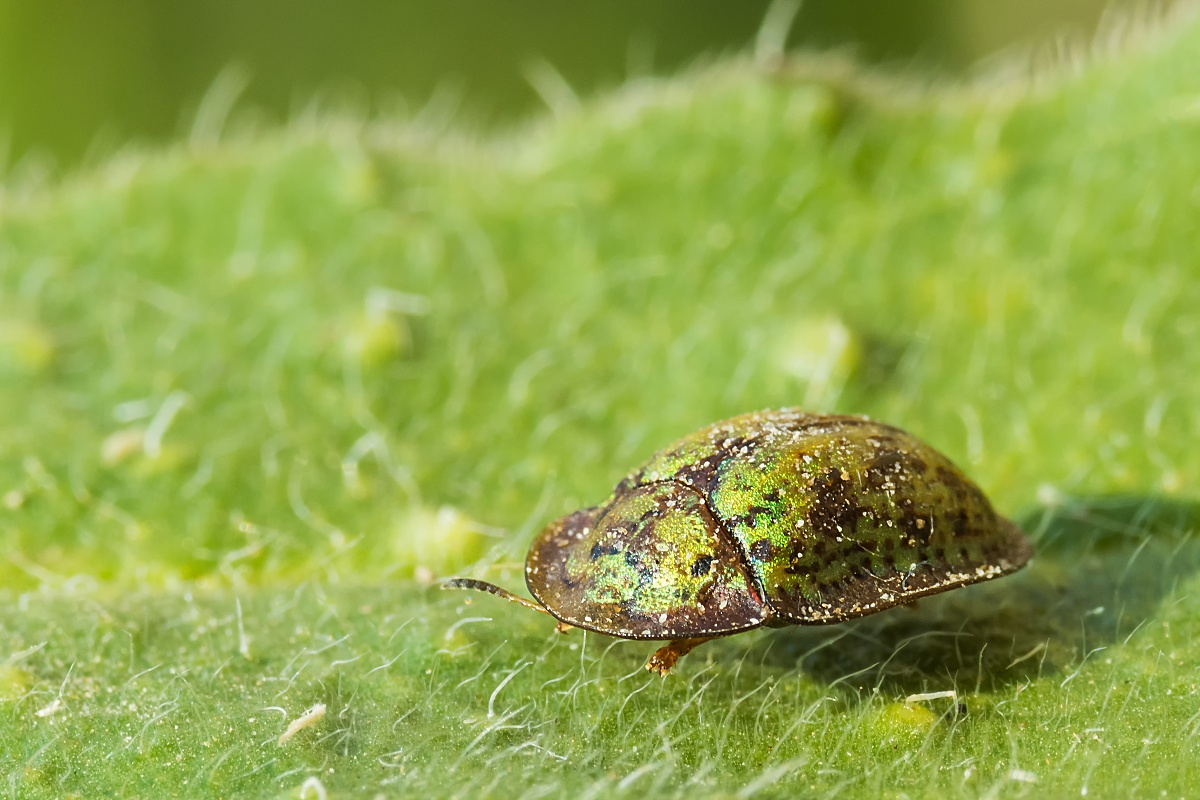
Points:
x=257 y=393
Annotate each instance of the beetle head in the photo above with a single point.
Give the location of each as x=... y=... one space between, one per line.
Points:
x=651 y=563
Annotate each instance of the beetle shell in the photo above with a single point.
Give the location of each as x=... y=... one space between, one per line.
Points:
x=772 y=518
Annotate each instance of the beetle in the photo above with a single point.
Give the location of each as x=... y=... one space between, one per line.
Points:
x=773 y=518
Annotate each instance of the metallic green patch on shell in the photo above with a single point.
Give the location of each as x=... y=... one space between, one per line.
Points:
x=651 y=560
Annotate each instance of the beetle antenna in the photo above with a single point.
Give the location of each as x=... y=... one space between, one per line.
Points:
x=491 y=588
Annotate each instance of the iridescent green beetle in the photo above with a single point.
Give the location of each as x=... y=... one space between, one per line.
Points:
x=773 y=518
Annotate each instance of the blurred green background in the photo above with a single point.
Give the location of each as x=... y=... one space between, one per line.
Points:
x=80 y=78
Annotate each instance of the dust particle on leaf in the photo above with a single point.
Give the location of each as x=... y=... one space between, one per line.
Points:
x=308 y=719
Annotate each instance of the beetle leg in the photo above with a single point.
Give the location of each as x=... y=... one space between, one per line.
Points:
x=665 y=657
x=563 y=627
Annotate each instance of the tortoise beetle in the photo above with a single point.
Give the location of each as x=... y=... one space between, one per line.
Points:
x=772 y=518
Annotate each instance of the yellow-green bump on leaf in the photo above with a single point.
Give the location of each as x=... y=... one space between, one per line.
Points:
x=434 y=542
x=375 y=339
x=121 y=445
x=822 y=353
x=14 y=682
x=901 y=721
x=26 y=348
